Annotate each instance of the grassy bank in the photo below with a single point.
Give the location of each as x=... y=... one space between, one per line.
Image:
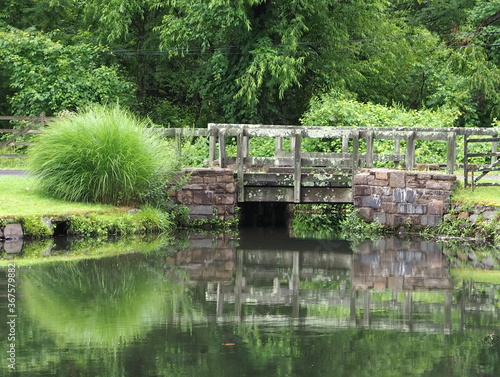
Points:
x=21 y=198
x=487 y=195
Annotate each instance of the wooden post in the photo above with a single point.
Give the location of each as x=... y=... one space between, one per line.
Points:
x=452 y=152
x=42 y=120
x=212 y=146
x=494 y=150
x=278 y=146
x=345 y=143
x=222 y=149
x=410 y=150
x=355 y=153
x=466 y=160
x=397 y=151
x=295 y=284
x=369 y=149
x=297 y=163
x=178 y=141
x=241 y=140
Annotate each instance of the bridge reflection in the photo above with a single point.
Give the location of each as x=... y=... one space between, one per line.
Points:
x=391 y=283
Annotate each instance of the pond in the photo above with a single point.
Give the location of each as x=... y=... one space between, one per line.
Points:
x=224 y=306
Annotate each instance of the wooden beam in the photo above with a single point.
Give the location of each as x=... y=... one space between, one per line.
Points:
x=307 y=195
x=240 y=145
x=452 y=152
x=297 y=160
x=410 y=150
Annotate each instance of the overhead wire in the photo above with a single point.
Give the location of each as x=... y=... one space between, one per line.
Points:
x=321 y=45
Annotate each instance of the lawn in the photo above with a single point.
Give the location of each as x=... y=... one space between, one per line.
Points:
x=485 y=195
x=19 y=197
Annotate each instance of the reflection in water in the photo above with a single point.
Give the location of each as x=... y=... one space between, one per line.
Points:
x=103 y=303
x=261 y=305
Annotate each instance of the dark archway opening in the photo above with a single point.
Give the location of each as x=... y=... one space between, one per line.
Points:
x=267 y=215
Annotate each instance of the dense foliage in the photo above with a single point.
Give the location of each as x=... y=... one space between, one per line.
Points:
x=185 y=62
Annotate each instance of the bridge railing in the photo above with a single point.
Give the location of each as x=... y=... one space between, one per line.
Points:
x=350 y=158
x=350 y=136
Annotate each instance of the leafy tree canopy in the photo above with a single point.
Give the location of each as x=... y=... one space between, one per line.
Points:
x=42 y=75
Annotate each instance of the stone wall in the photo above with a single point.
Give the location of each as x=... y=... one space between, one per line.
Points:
x=400 y=264
x=210 y=194
x=399 y=198
x=11 y=238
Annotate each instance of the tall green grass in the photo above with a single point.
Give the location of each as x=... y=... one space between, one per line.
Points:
x=101 y=155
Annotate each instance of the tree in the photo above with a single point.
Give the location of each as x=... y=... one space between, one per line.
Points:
x=262 y=61
x=42 y=75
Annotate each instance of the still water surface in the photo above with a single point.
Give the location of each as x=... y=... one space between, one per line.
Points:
x=263 y=305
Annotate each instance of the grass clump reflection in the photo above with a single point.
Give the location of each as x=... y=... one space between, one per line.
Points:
x=106 y=303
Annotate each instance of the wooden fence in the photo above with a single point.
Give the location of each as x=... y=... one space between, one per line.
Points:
x=493 y=166
x=350 y=158
x=30 y=125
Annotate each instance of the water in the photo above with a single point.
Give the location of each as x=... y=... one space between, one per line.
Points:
x=263 y=305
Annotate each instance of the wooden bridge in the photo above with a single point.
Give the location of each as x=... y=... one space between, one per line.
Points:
x=296 y=172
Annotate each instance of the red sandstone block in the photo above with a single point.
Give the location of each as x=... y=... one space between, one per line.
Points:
x=397 y=179
x=185 y=197
x=203 y=197
x=362 y=190
x=382 y=175
x=435 y=207
x=224 y=198
x=225 y=178
x=231 y=187
x=361 y=179
x=379 y=182
x=439 y=185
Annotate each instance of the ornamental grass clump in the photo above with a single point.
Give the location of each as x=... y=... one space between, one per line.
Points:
x=102 y=155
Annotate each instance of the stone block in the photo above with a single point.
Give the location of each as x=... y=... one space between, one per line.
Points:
x=225 y=178
x=444 y=177
x=439 y=185
x=380 y=217
x=384 y=175
x=209 y=179
x=406 y=195
x=435 y=207
x=184 y=197
x=366 y=213
x=205 y=197
x=430 y=220
x=379 y=182
x=195 y=180
x=231 y=187
x=382 y=191
x=13 y=246
x=491 y=215
x=361 y=179
x=412 y=209
x=357 y=201
x=362 y=190
x=397 y=179
x=224 y=198
x=370 y=201
x=13 y=232
x=395 y=282
x=389 y=207
x=201 y=210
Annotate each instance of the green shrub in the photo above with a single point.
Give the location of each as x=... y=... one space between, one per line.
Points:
x=103 y=155
x=35 y=227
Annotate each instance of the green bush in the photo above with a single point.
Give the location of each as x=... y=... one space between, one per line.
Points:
x=103 y=155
